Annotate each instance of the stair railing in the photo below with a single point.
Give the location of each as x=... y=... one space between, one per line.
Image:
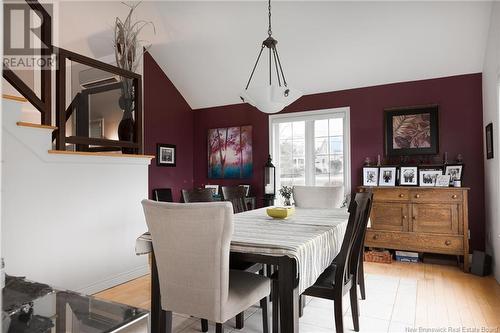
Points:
x=81 y=140
x=42 y=104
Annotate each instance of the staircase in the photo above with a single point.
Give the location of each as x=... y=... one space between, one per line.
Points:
x=70 y=126
x=69 y=218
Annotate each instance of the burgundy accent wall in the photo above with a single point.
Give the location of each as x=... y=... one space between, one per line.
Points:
x=460 y=122
x=167 y=119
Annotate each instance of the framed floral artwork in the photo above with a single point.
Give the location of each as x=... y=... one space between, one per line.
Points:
x=411 y=131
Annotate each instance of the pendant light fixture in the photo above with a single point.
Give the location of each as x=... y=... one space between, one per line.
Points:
x=270 y=98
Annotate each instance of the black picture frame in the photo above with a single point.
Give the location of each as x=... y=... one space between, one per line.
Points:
x=448 y=167
x=166 y=155
x=489 y=141
x=430 y=169
x=373 y=179
x=390 y=170
x=402 y=180
x=433 y=119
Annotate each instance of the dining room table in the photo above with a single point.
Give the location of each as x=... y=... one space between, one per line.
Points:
x=300 y=247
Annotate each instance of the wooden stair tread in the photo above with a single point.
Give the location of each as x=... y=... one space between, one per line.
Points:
x=15 y=98
x=25 y=124
x=106 y=154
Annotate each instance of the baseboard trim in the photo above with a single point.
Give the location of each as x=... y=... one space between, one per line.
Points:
x=114 y=280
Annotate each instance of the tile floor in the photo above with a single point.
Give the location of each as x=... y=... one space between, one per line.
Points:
x=390 y=307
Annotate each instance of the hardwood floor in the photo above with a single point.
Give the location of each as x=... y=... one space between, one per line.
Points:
x=445 y=296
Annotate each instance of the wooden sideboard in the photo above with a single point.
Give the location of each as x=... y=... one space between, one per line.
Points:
x=420 y=219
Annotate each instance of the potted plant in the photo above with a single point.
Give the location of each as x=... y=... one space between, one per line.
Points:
x=286 y=193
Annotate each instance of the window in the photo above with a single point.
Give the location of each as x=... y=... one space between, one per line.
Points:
x=311 y=148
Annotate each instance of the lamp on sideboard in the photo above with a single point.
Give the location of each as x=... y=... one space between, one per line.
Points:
x=269 y=182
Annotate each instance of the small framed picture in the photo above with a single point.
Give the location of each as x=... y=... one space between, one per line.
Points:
x=443 y=181
x=408 y=176
x=387 y=176
x=455 y=171
x=428 y=177
x=247 y=189
x=489 y=141
x=214 y=188
x=165 y=155
x=370 y=176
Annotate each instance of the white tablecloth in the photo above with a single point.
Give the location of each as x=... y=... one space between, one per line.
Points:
x=312 y=237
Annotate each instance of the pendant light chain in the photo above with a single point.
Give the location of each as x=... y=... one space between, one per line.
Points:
x=269 y=30
x=270 y=99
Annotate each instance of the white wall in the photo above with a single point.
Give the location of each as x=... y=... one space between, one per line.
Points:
x=491 y=80
x=70 y=221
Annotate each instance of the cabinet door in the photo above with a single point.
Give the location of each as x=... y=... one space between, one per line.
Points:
x=389 y=216
x=435 y=218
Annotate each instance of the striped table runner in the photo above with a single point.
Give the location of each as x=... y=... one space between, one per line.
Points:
x=312 y=237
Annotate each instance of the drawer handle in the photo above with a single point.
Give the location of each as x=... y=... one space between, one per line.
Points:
x=375 y=237
x=401 y=195
x=447 y=243
x=414 y=217
x=404 y=217
x=454 y=196
x=417 y=196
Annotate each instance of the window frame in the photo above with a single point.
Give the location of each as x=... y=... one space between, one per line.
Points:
x=309 y=138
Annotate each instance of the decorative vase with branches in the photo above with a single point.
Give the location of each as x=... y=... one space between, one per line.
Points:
x=128 y=51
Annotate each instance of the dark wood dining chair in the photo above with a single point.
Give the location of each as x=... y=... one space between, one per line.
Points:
x=236 y=195
x=162 y=194
x=342 y=275
x=198 y=195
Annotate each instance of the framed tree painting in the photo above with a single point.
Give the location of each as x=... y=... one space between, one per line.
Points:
x=411 y=131
x=230 y=152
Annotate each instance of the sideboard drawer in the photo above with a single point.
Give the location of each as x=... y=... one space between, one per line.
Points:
x=446 y=244
x=435 y=195
x=391 y=195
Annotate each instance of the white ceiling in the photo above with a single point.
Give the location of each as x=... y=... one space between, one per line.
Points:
x=208 y=48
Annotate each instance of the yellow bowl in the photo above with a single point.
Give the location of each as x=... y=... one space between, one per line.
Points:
x=280 y=212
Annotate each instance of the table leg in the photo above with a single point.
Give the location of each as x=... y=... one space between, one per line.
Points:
x=159 y=318
x=288 y=295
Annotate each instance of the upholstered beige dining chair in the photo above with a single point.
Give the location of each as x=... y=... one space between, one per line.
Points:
x=191 y=244
x=318 y=196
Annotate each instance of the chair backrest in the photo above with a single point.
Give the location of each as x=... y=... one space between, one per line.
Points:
x=162 y=194
x=347 y=259
x=318 y=196
x=191 y=246
x=236 y=195
x=233 y=192
x=198 y=195
x=359 y=240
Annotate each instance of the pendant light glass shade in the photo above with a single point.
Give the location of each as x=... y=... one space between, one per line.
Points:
x=270 y=99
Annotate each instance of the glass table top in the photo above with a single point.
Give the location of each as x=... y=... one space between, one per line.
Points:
x=34 y=307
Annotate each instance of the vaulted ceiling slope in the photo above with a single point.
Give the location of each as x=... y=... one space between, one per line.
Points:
x=208 y=48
